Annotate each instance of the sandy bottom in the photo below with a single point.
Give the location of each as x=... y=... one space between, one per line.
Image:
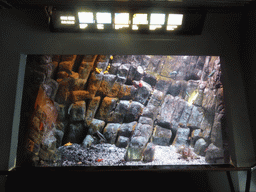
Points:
x=110 y=155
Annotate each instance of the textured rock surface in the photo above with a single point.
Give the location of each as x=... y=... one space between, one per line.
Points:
x=161 y=136
x=181 y=137
x=77 y=111
x=110 y=132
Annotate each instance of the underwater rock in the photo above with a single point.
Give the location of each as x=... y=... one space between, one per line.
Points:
x=65 y=86
x=114 y=68
x=122 y=142
x=209 y=101
x=181 y=137
x=174 y=88
x=123 y=70
x=86 y=66
x=79 y=84
x=127 y=92
x=196 y=116
x=76 y=133
x=110 y=132
x=195 y=135
x=199 y=99
x=134 y=111
x=143 y=130
x=162 y=85
x=145 y=120
x=92 y=109
x=127 y=129
x=59 y=136
x=149 y=152
x=114 y=91
x=150 y=79
x=80 y=95
x=156 y=98
x=206 y=125
x=77 y=111
x=179 y=106
x=135 y=149
x=107 y=83
x=94 y=83
x=200 y=147
x=139 y=73
x=216 y=134
x=96 y=125
x=161 y=136
x=132 y=73
x=88 y=140
x=166 y=111
x=120 y=111
x=102 y=65
x=214 y=154
x=50 y=88
x=143 y=92
x=150 y=111
x=107 y=106
x=61 y=111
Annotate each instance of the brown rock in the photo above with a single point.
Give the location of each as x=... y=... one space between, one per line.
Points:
x=106 y=108
x=79 y=95
x=92 y=108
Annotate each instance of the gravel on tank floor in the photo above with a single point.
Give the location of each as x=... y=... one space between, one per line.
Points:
x=110 y=155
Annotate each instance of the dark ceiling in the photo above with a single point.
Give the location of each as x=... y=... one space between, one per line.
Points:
x=173 y=3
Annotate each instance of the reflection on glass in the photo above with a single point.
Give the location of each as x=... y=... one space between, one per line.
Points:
x=103 y=17
x=67 y=20
x=121 y=20
x=175 y=19
x=140 y=18
x=85 y=17
x=83 y=26
x=157 y=19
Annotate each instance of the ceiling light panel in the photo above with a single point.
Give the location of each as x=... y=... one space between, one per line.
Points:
x=157 y=19
x=85 y=17
x=175 y=19
x=104 y=18
x=140 y=18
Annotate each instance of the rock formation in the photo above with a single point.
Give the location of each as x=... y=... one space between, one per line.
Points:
x=135 y=102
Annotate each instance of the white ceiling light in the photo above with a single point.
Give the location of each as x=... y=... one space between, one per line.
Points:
x=85 y=17
x=104 y=18
x=175 y=19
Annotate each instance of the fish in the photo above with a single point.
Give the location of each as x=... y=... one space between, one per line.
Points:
x=68 y=144
x=211 y=74
x=140 y=84
x=105 y=72
x=98 y=70
x=99 y=160
x=111 y=57
x=173 y=73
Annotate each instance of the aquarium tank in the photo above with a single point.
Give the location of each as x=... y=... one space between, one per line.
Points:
x=123 y=110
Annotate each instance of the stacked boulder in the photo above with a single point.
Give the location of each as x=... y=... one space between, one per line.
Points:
x=120 y=102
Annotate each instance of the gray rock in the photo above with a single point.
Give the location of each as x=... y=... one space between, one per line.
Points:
x=92 y=109
x=139 y=73
x=186 y=114
x=150 y=111
x=123 y=70
x=156 y=98
x=216 y=134
x=179 y=106
x=161 y=136
x=127 y=129
x=134 y=111
x=107 y=83
x=143 y=92
x=59 y=136
x=122 y=142
x=146 y=120
x=196 y=116
x=143 y=130
x=135 y=149
x=50 y=88
x=200 y=147
x=61 y=111
x=132 y=72
x=110 y=132
x=166 y=111
x=107 y=106
x=174 y=88
x=77 y=111
x=162 y=85
x=150 y=79
x=149 y=152
x=195 y=135
x=114 y=68
x=88 y=140
x=181 y=137
x=118 y=115
x=76 y=133
x=127 y=92
x=214 y=154
x=96 y=125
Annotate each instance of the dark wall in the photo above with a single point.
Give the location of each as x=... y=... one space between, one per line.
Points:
x=25 y=32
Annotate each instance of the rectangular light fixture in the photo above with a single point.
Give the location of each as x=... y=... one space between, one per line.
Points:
x=85 y=17
x=121 y=20
x=91 y=20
